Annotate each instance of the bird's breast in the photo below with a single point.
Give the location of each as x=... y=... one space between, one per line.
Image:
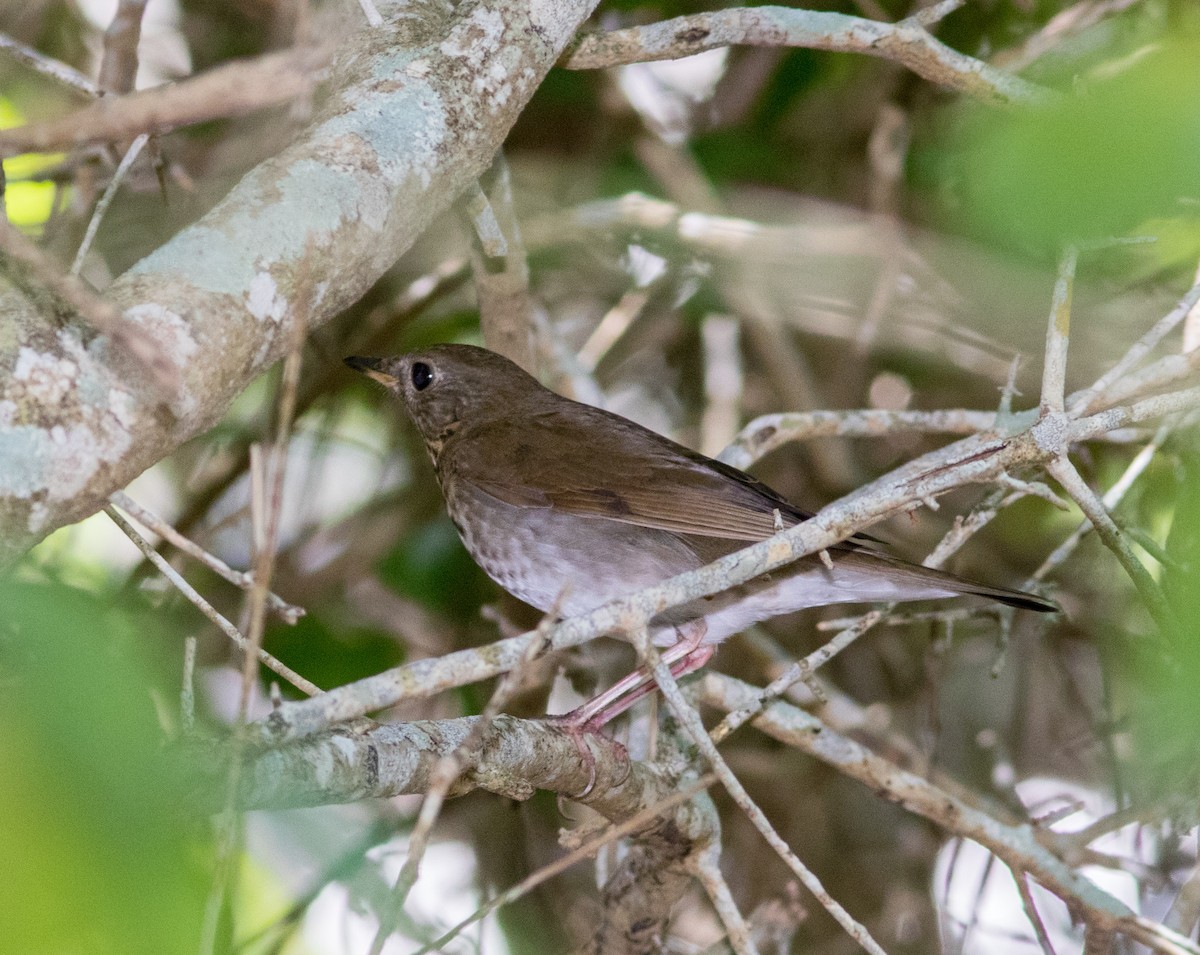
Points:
x=540 y=553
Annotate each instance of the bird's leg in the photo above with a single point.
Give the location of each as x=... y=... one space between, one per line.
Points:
x=598 y=711
x=684 y=656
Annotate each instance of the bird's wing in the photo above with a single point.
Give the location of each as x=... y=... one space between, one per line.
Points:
x=594 y=464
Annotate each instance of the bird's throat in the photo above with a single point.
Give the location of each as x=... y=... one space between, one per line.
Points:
x=435 y=444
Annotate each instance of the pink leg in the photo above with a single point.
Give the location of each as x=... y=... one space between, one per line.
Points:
x=683 y=657
x=643 y=685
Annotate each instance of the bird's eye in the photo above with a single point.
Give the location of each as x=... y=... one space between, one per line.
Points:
x=422 y=375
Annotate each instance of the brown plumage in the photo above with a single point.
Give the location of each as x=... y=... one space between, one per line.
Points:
x=552 y=497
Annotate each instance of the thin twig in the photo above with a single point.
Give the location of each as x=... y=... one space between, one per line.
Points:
x=1059 y=29
x=498 y=261
x=131 y=155
x=690 y=720
x=58 y=71
x=767 y=432
x=1112 y=497
x=286 y=611
x=1035 y=919
x=227 y=628
x=723 y=384
x=1054 y=372
x=187 y=689
x=1153 y=377
x=1075 y=486
x=1087 y=400
x=233 y=89
x=707 y=870
x=371 y=13
x=118 y=67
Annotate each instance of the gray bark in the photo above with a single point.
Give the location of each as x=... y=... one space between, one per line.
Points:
x=412 y=113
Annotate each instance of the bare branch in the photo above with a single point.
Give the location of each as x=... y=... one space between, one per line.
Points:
x=131 y=155
x=148 y=519
x=767 y=432
x=906 y=42
x=1112 y=497
x=371 y=13
x=1088 y=400
x=500 y=267
x=118 y=68
x=58 y=71
x=1031 y=912
x=1066 y=475
x=1054 y=371
x=233 y=89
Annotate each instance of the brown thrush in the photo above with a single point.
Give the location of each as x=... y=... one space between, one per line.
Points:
x=565 y=504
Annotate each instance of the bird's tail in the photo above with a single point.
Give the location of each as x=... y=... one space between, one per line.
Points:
x=952 y=583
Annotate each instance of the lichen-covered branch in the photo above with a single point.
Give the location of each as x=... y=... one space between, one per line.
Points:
x=413 y=113
x=514 y=758
x=906 y=42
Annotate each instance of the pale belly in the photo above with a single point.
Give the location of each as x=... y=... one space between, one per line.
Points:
x=542 y=557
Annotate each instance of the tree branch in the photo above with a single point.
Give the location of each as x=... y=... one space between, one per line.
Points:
x=413 y=114
x=906 y=42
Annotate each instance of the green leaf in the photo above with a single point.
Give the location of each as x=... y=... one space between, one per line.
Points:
x=1123 y=149
x=97 y=856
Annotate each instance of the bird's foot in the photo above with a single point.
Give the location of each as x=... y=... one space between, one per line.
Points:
x=577 y=729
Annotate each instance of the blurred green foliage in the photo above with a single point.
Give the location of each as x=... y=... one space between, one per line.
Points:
x=1165 y=685
x=97 y=855
x=1091 y=166
x=431 y=566
x=331 y=654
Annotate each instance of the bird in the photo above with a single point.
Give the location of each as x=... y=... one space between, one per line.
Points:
x=568 y=506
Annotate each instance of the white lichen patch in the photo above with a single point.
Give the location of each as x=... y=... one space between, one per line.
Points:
x=38 y=514
x=123 y=408
x=495 y=80
x=553 y=19
x=47 y=378
x=323 y=766
x=63 y=419
x=168 y=328
x=404 y=131
x=76 y=452
x=263 y=300
x=475 y=38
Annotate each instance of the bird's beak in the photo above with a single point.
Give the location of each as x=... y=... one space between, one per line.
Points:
x=372 y=368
